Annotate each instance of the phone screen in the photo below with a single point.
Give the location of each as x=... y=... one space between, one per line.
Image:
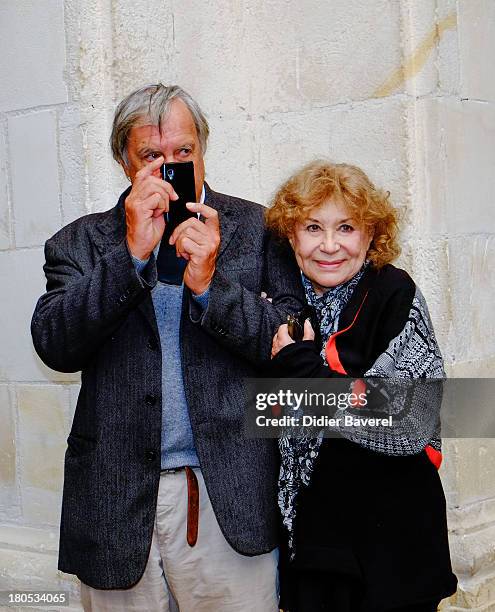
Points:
x=181 y=176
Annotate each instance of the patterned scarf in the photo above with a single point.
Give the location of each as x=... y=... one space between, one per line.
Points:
x=329 y=305
x=299 y=454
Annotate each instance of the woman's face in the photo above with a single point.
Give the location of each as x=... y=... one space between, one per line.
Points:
x=330 y=247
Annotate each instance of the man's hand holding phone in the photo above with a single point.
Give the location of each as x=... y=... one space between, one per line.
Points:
x=198 y=242
x=145 y=207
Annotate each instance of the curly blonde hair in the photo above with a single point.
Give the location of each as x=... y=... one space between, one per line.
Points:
x=322 y=180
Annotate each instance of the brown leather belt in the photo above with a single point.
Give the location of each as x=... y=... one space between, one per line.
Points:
x=192 y=502
x=192 y=506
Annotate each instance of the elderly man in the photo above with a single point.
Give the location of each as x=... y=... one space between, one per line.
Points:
x=165 y=501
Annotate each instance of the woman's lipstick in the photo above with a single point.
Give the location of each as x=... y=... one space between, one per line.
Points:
x=329 y=264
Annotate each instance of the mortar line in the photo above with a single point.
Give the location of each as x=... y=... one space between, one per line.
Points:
x=22 y=112
x=8 y=185
x=60 y=171
x=344 y=105
x=41 y=527
x=459 y=48
x=436 y=48
x=41 y=383
x=18 y=448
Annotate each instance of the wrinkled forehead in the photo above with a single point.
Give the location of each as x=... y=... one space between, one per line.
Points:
x=174 y=128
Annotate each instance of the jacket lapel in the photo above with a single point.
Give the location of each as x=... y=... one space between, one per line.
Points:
x=111 y=229
x=226 y=216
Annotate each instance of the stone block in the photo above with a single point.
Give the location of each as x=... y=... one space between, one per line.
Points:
x=477 y=49
x=471 y=474
x=40 y=506
x=29 y=538
x=473 y=559
x=469 y=518
x=470 y=282
x=91 y=80
x=417 y=73
x=72 y=158
x=371 y=135
x=454 y=141
x=7 y=440
x=448 y=476
x=448 y=48
x=22 y=281
x=35 y=184
x=430 y=271
x=5 y=229
x=232 y=165
x=90 y=54
x=469 y=130
x=287 y=58
x=75 y=605
x=32 y=48
x=42 y=432
x=28 y=570
x=475 y=368
x=102 y=190
x=137 y=55
x=35 y=551
x=368 y=135
x=9 y=493
x=469 y=593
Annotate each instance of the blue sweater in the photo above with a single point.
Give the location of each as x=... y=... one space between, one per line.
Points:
x=177 y=447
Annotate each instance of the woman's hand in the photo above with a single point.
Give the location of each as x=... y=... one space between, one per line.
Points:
x=282 y=337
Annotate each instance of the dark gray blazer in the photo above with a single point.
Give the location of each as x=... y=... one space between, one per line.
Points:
x=97 y=316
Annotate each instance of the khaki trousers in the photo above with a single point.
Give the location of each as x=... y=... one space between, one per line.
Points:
x=209 y=577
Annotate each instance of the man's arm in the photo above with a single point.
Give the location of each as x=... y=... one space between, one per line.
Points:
x=82 y=308
x=79 y=311
x=244 y=321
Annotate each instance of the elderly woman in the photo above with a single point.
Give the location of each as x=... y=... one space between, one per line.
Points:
x=365 y=518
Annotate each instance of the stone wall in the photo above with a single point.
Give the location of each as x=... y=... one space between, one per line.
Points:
x=403 y=88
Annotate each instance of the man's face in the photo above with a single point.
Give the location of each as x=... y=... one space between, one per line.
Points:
x=176 y=142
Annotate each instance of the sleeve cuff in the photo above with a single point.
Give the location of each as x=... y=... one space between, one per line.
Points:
x=202 y=298
x=145 y=269
x=300 y=360
x=139 y=264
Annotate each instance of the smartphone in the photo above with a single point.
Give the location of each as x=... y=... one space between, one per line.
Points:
x=181 y=176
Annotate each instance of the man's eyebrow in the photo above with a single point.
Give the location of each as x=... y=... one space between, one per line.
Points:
x=145 y=149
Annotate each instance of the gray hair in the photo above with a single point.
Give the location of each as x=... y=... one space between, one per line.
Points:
x=152 y=102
